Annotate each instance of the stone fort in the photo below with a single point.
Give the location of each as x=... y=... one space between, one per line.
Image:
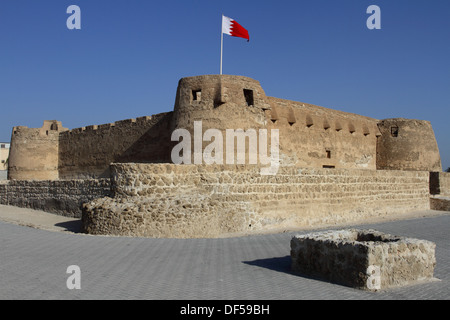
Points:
x=120 y=179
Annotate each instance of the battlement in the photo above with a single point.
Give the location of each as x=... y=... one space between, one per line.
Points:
x=123 y=123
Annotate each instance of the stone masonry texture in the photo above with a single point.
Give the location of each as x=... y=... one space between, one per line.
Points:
x=364 y=259
x=63 y=197
x=182 y=201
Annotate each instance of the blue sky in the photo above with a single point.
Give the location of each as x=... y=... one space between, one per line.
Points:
x=126 y=60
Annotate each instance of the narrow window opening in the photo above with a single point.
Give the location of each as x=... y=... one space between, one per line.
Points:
x=46 y=132
x=394 y=131
x=54 y=126
x=328 y=167
x=328 y=154
x=248 y=94
x=196 y=95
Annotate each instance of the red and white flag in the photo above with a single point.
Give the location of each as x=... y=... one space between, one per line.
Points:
x=231 y=27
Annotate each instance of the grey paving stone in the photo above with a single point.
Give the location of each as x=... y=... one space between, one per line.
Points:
x=33 y=265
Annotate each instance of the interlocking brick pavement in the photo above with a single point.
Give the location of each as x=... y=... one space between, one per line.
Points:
x=33 y=265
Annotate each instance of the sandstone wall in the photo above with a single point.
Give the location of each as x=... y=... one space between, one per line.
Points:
x=445 y=183
x=165 y=200
x=440 y=183
x=34 y=152
x=407 y=145
x=64 y=197
x=309 y=135
x=314 y=136
x=86 y=153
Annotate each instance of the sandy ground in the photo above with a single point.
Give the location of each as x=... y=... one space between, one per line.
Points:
x=52 y=222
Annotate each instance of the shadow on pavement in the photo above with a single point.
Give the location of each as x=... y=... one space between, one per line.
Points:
x=280 y=264
x=72 y=226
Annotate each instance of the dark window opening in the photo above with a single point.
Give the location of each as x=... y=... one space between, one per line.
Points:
x=196 y=95
x=54 y=126
x=394 y=132
x=328 y=167
x=248 y=94
x=46 y=132
x=328 y=154
x=3 y=146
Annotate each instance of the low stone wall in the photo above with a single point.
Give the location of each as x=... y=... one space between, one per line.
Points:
x=166 y=200
x=63 y=197
x=364 y=259
x=440 y=183
x=444 y=180
x=440 y=203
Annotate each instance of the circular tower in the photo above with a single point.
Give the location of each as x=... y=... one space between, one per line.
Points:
x=407 y=144
x=220 y=102
x=34 y=152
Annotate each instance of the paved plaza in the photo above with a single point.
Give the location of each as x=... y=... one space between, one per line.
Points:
x=33 y=265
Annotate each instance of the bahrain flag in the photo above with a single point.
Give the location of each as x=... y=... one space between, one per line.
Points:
x=231 y=27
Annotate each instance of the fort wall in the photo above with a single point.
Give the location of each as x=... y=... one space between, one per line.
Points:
x=440 y=183
x=63 y=197
x=309 y=135
x=166 y=200
x=318 y=137
x=86 y=153
x=445 y=183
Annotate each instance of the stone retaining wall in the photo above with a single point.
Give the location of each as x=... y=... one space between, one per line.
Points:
x=440 y=183
x=444 y=180
x=64 y=197
x=166 y=200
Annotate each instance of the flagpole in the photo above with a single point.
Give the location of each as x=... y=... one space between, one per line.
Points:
x=221 y=46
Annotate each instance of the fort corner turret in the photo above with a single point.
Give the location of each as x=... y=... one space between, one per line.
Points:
x=34 y=153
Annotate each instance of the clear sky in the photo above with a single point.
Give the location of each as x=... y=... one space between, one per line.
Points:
x=128 y=56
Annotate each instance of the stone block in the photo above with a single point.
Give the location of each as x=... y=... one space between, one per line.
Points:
x=440 y=203
x=363 y=259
